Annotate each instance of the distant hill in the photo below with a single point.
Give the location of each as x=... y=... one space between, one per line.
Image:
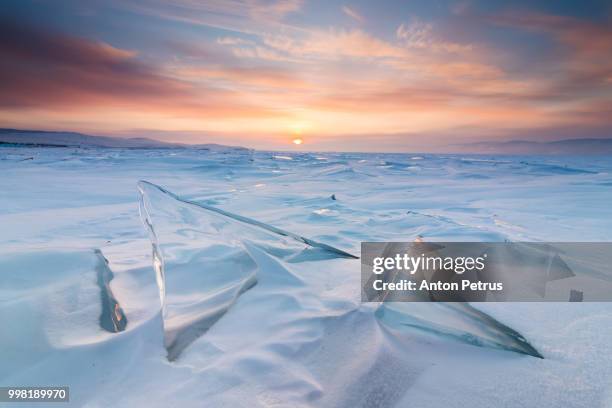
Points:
x=560 y=147
x=41 y=138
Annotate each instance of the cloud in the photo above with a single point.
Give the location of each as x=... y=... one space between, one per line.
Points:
x=260 y=77
x=241 y=16
x=334 y=44
x=316 y=45
x=581 y=64
x=42 y=67
x=418 y=34
x=234 y=41
x=352 y=13
x=580 y=37
x=48 y=71
x=272 y=10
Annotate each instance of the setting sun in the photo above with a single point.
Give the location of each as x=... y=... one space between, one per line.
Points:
x=298 y=141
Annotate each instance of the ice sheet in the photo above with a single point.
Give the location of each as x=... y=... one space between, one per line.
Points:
x=301 y=340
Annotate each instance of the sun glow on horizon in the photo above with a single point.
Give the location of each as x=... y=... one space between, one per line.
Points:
x=298 y=141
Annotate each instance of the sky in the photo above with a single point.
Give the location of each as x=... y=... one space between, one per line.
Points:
x=338 y=75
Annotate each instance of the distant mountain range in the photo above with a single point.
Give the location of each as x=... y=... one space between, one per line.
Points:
x=559 y=147
x=41 y=138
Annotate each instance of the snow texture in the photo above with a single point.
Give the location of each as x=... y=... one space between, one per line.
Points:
x=300 y=336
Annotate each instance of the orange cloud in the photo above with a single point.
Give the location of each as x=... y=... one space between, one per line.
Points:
x=334 y=44
x=266 y=77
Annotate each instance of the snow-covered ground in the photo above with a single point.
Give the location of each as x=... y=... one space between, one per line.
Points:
x=299 y=336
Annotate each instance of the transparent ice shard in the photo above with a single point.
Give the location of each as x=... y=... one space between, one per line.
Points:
x=459 y=321
x=205 y=258
x=455 y=320
x=112 y=318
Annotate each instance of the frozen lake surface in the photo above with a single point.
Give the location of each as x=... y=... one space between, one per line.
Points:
x=80 y=305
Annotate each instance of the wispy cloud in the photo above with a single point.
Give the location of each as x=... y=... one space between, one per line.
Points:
x=260 y=77
x=334 y=44
x=418 y=34
x=352 y=13
x=244 y=16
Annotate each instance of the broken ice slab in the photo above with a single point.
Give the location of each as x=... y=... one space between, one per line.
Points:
x=205 y=258
x=53 y=300
x=112 y=318
x=459 y=321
